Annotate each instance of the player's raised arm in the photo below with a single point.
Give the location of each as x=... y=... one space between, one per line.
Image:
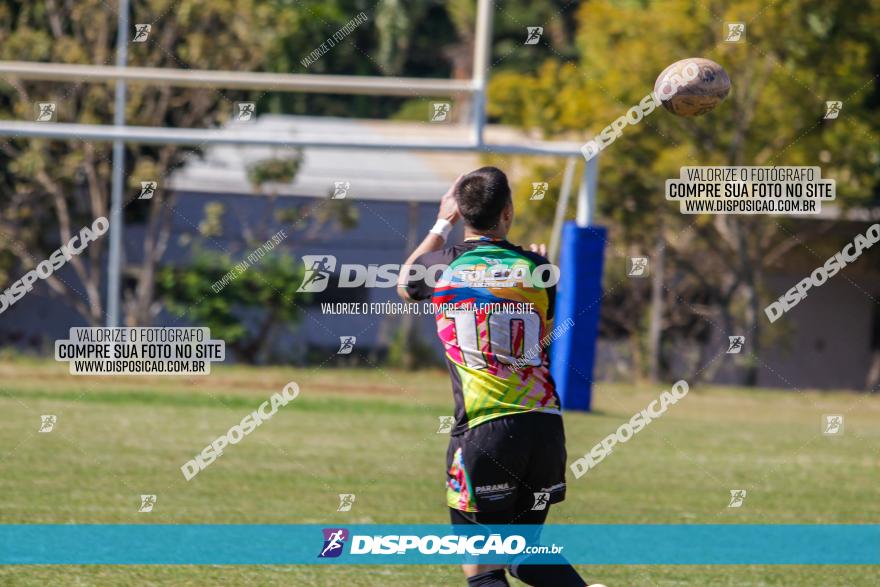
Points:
x=447 y=216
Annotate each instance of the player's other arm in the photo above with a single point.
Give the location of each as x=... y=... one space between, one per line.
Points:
x=447 y=216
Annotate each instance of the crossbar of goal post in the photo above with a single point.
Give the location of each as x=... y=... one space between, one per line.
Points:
x=579 y=295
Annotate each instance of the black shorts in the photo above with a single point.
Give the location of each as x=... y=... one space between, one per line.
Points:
x=507 y=470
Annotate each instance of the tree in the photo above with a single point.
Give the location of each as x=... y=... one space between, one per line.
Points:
x=248 y=311
x=248 y=294
x=796 y=56
x=62 y=185
x=52 y=188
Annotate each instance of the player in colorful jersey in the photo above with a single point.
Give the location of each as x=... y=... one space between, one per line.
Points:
x=494 y=300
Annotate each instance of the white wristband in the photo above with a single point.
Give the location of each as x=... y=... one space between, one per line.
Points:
x=442 y=228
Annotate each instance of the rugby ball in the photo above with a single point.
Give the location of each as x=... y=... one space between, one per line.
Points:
x=692 y=86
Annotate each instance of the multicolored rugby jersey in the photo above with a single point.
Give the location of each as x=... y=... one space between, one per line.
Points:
x=491 y=318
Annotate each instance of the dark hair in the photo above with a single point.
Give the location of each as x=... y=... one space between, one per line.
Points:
x=481 y=197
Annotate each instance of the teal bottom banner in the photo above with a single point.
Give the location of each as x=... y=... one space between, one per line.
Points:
x=295 y=544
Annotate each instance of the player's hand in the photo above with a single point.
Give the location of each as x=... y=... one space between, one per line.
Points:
x=448 y=206
x=540 y=249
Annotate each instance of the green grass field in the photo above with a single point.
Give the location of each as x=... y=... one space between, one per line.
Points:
x=373 y=433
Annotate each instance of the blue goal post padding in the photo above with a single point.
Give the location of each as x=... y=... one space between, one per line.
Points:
x=578 y=300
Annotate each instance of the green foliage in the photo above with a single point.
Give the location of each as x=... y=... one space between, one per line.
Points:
x=246 y=311
x=795 y=57
x=534 y=218
x=337 y=213
x=395 y=20
x=276 y=170
x=781 y=77
x=212 y=224
x=46 y=186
